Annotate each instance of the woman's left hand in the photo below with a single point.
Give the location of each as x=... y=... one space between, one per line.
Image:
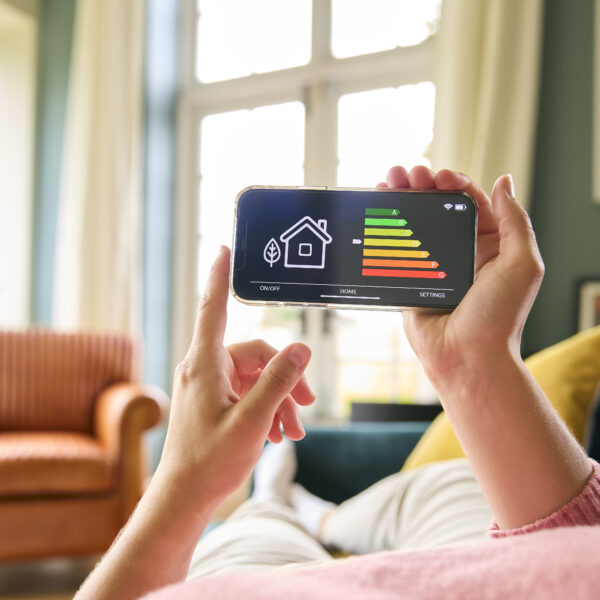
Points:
x=228 y=400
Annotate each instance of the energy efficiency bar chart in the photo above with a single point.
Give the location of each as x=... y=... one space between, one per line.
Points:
x=392 y=262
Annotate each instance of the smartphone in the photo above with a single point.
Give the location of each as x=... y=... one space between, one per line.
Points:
x=353 y=247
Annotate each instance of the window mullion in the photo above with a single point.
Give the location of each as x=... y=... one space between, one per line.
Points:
x=320 y=168
x=321 y=31
x=320 y=152
x=320 y=149
x=390 y=68
x=187 y=50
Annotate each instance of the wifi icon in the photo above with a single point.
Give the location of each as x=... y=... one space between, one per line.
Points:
x=448 y=206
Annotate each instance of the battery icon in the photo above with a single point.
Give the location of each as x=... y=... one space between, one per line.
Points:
x=460 y=207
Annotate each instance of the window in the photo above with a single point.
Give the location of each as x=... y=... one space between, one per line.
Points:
x=321 y=92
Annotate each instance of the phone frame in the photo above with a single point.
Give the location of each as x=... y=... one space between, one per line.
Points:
x=339 y=305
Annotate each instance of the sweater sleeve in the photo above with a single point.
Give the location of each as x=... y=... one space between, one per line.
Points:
x=584 y=509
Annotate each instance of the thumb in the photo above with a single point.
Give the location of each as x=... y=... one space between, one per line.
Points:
x=278 y=379
x=518 y=248
x=517 y=238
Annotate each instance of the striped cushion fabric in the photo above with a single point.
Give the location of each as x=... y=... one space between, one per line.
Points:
x=49 y=380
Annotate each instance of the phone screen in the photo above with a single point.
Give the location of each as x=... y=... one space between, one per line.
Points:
x=363 y=248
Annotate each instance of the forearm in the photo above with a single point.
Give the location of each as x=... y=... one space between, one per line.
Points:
x=155 y=547
x=525 y=459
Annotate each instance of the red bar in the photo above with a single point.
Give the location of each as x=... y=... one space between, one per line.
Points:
x=403 y=273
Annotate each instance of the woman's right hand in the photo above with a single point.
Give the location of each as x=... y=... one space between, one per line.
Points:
x=509 y=270
x=524 y=457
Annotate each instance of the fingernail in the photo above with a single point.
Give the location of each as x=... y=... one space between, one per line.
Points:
x=511 y=187
x=299 y=354
x=217 y=256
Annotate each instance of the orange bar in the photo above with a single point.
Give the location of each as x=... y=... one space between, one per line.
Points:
x=417 y=264
x=403 y=273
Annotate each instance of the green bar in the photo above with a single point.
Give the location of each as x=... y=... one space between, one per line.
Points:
x=390 y=212
x=390 y=222
x=391 y=232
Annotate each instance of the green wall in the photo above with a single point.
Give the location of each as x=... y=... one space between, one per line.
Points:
x=160 y=86
x=566 y=221
x=54 y=57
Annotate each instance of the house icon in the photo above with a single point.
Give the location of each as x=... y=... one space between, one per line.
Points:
x=305 y=244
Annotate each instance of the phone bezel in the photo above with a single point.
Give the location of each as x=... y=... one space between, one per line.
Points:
x=339 y=305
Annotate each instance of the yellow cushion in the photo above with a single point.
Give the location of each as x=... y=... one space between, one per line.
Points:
x=568 y=372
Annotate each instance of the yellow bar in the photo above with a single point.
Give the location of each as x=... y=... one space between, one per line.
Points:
x=392 y=232
x=396 y=253
x=384 y=242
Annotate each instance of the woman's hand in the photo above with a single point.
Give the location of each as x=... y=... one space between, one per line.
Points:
x=227 y=401
x=525 y=459
x=509 y=271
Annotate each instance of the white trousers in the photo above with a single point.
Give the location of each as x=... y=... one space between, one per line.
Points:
x=438 y=504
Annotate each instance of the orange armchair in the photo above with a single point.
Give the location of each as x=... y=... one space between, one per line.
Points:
x=72 y=464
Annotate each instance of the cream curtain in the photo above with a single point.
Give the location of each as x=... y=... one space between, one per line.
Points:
x=487 y=77
x=98 y=257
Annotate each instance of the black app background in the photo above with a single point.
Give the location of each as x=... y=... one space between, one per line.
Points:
x=443 y=223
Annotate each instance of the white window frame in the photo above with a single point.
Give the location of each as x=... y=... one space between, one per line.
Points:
x=318 y=84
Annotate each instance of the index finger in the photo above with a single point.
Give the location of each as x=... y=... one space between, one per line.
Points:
x=212 y=309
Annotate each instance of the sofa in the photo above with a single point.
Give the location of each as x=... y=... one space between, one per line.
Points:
x=336 y=462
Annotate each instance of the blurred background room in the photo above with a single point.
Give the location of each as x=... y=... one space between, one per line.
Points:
x=127 y=127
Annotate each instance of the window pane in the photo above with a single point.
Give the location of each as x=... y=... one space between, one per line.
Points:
x=376 y=130
x=376 y=362
x=264 y=146
x=381 y=128
x=237 y=37
x=360 y=27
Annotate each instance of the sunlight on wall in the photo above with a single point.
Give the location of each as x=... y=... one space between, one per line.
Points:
x=18 y=49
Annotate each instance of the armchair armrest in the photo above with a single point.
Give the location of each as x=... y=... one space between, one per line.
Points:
x=123 y=407
x=123 y=411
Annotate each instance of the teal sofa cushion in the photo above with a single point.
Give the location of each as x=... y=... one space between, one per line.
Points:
x=337 y=463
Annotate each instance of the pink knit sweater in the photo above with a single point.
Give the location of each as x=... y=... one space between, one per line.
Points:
x=558 y=558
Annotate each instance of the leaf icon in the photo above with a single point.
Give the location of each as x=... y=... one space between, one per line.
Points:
x=272 y=252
